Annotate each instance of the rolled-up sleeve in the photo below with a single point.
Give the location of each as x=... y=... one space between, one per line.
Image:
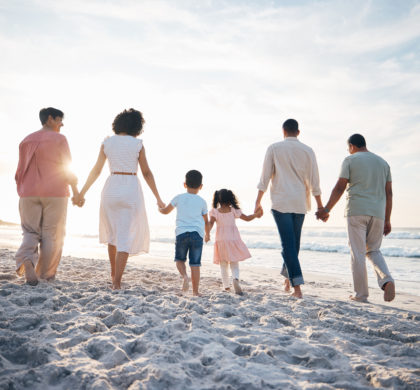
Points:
x=267 y=172
x=315 y=187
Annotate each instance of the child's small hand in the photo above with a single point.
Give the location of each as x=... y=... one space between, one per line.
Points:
x=207 y=238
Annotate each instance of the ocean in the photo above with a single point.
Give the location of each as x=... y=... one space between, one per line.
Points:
x=323 y=250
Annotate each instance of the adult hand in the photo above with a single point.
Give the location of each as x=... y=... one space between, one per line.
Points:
x=259 y=213
x=207 y=238
x=387 y=228
x=161 y=204
x=322 y=214
x=78 y=200
x=258 y=208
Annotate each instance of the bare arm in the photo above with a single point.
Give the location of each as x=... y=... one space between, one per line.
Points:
x=167 y=209
x=318 y=201
x=206 y=227
x=258 y=201
x=211 y=223
x=257 y=214
x=95 y=172
x=388 y=208
x=148 y=176
x=335 y=196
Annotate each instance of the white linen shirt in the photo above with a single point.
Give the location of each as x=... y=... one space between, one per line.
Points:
x=291 y=166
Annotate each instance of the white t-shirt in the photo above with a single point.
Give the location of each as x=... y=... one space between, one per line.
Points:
x=190 y=210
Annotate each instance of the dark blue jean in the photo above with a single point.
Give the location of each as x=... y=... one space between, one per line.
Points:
x=190 y=243
x=289 y=226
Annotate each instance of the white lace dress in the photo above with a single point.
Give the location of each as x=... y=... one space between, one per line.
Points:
x=122 y=219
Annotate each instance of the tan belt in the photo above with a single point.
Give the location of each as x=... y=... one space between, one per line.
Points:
x=123 y=173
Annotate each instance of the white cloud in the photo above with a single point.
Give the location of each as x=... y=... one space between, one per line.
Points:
x=215 y=79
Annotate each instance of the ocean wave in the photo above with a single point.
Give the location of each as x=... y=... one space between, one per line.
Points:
x=272 y=242
x=395 y=235
x=316 y=247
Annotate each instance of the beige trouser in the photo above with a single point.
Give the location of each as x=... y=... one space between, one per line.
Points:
x=43 y=223
x=365 y=238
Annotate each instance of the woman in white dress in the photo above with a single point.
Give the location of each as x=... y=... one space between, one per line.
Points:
x=123 y=221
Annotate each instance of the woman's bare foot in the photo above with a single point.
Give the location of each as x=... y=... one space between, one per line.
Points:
x=237 y=287
x=30 y=275
x=116 y=286
x=389 y=291
x=185 y=284
x=286 y=284
x=197 y=294
x=353 y=298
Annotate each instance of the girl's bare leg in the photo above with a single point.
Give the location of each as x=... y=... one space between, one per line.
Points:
x=286 y=285
x=120 y=263
x=112 y=253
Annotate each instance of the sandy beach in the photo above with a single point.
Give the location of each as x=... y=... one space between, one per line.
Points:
x=76 y=333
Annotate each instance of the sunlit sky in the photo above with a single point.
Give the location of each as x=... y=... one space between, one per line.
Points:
x=215 y=80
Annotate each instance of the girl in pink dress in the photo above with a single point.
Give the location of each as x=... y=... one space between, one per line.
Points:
x=229 y=249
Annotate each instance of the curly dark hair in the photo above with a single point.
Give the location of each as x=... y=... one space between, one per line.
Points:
x=129 y=121
x=225 y=197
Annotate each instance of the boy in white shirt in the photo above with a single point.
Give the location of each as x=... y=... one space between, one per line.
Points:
x=192 y=226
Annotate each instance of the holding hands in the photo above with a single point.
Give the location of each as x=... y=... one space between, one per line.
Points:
x=78 y=200
x=323 y=214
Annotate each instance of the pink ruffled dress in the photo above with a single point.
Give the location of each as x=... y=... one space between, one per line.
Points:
x=228 y=245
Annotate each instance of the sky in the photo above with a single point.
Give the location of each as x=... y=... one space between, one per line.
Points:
x=215 y=80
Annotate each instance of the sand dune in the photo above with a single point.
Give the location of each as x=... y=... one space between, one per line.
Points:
x=76 y=333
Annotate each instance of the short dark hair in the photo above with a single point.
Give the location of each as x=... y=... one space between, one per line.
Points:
x=357 y=140
x=46 y=112
x=193 y=179
x=291 y=126
x=129 y=121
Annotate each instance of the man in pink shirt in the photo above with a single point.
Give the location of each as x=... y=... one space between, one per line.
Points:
x=42 y=179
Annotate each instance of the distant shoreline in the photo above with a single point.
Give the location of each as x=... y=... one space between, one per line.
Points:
x=5 y=223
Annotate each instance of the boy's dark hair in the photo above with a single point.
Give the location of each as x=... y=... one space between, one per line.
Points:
x=226 y=197
x=357 y=140
x=193 y=179
x=46 y=112
x=291 y=126
x=129 y=121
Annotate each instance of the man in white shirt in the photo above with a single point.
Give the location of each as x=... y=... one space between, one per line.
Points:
x=291 y=166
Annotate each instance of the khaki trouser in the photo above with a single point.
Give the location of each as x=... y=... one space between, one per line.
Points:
x=365 y=238
x=43 y=223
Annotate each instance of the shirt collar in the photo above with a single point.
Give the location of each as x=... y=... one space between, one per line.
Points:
x=294 y=139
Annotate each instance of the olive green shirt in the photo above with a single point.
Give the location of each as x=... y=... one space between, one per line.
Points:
x=367 y=174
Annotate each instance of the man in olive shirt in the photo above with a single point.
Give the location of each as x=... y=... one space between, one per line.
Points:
x=368 y=211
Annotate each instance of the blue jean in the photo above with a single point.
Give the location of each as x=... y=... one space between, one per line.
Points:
x=289 y=226
x=190 y=243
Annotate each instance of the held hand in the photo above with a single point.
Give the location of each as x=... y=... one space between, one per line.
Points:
x=322 y=214
x=387 y=228
x=207 y=238
x=259 y=213
x=161 y=204
x=257 y=208
x=78 y=200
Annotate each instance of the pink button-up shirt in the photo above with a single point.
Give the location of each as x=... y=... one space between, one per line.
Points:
x=42 y=171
